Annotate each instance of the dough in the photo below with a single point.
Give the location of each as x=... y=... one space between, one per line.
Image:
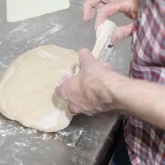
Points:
x=27 y=88
x=103 y=37
x=18 y=10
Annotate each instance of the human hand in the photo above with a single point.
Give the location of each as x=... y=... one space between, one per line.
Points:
x=90 y=7
x=97 y=88
x=128 y=7
x=88 y=91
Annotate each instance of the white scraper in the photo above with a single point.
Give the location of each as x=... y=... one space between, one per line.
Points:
x=18 y=10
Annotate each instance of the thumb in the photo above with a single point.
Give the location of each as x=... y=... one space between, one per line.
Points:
x=105 y=11
x=89 y=9
x=85 y=56
x=122 y=32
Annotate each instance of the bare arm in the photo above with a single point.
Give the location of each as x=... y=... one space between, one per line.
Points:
x=141 y=99
x=97 y=88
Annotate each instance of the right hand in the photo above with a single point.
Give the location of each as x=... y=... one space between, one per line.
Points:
x=110 y=7
x=87 y=92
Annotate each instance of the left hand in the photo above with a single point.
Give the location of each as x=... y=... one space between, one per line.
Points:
x=128 y=7
x=87 y=91
x=106 y=8
x=90 y=7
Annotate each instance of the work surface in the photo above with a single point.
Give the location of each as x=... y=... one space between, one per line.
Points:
x=85 y=141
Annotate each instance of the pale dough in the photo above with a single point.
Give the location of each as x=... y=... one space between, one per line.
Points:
x=28 y=85
x=18 y=10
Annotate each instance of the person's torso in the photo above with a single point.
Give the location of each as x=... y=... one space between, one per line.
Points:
x=146 y=143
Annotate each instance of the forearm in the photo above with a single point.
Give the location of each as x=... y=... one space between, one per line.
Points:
x=141 y=99
x=98 y=89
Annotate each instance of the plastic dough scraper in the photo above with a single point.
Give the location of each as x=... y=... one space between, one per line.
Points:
x=18 y=10
x=103 y=39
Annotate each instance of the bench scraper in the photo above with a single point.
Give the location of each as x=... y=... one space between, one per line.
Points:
x=104 y=35
x=103 y=39
x=18 y=10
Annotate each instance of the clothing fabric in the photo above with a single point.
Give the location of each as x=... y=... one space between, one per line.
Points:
x=120 y=156
x=146 y=143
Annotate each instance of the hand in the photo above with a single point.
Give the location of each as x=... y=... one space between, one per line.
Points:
x=90 y=7
x=88 y=92
x=128 y=7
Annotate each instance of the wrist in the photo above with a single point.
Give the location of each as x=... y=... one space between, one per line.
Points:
x=118 y=85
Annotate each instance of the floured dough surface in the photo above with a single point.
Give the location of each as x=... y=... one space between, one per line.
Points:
x=28 y=88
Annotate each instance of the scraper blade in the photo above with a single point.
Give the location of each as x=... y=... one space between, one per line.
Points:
x=103 y=39
x=18 y=10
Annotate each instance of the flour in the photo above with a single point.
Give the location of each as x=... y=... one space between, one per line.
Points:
x=21 y=143
x=73 y=134
x=42 y=38
x=23 y=146
x=21 y=28
x=45 y=54
x=3 y=65
x=7 y=77
x=49 y=120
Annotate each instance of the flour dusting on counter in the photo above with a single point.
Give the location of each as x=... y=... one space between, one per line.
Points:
x=21 y=28
x=21 y=139
x=3 y=65
x=82 y=141
x=43 y=37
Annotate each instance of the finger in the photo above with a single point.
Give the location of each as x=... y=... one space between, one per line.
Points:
x=128 y=14
x=105 y=11
x=75 y=109
x=89 y=113
x=63 y=79
x=84 y=51
x=107 y=1
x=89 y=8
x=60 y=91
x=66 y=88
x=85 y=56
x=122 y=32
x=114 y=7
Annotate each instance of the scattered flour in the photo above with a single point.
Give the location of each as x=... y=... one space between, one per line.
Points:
x=21 y=28
x=43 y=37
x=21 y=142
x=3 y=65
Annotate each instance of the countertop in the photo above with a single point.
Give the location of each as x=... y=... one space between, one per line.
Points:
x=87 y=140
